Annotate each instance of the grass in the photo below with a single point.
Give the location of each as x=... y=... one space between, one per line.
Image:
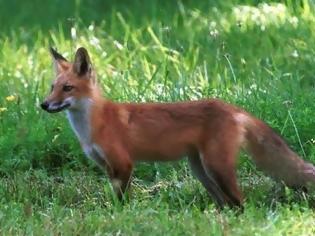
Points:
x=152 y=51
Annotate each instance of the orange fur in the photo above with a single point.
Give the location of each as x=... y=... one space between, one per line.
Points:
x=209 y=132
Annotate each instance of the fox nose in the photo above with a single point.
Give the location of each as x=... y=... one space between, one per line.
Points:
x=44 y=105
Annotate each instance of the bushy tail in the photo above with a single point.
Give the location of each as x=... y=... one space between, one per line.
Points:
x=272 y=155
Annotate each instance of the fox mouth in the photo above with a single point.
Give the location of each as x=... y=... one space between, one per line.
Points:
x=56 y=109
x=59 y=108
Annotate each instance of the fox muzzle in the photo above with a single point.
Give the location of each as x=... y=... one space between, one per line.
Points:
x=53 y=107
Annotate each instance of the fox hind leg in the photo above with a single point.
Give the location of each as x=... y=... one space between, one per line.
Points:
x=207 y=181
x=218 y=160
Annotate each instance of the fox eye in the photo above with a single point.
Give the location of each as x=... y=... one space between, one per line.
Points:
x=67 y=88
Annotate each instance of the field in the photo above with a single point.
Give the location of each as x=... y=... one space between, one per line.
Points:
x=259 y=56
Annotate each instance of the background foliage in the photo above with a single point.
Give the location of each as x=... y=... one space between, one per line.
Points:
x=256 y=54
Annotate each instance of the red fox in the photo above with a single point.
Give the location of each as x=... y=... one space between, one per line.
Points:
x=209 y=132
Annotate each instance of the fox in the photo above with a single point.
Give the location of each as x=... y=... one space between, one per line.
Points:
x=209 y=133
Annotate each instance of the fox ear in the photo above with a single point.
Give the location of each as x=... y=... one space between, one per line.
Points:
x=82 y=63
x=60 y=62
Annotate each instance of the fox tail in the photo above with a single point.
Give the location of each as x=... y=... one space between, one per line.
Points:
x=272 y=155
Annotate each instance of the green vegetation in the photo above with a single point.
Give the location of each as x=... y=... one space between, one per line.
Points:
x=259 y=56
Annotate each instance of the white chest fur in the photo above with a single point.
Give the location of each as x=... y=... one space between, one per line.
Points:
x=79 y=119
x=80 y=123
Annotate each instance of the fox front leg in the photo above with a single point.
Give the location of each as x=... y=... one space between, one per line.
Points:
x=120 y=170
x=120 y=179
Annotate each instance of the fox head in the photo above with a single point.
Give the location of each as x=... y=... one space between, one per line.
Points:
x=74 y=82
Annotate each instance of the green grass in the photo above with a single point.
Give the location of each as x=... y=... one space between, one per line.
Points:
x=152 y=51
